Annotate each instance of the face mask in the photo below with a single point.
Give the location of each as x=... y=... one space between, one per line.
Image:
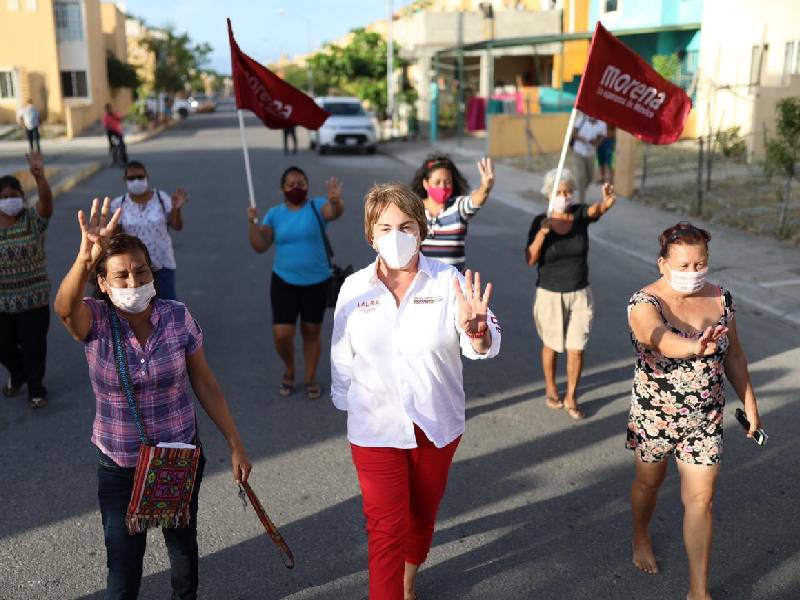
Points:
x=687 y=282
x=561 y=203
x=12 y=206
x=397 y=248
x=296 y=195
x=132 y=300
x=440 y=195
x=137 y=187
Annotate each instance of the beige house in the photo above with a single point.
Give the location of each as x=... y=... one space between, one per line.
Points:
x=749 y=59
x=54 y=52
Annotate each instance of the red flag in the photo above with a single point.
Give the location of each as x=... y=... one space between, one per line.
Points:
x=620 y=88
x=274 y=101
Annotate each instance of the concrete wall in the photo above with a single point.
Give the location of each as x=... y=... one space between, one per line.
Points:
x=724 y=97
x=29 y=47
x=507 y=133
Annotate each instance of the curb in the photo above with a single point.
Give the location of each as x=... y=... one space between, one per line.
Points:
x=80 y=175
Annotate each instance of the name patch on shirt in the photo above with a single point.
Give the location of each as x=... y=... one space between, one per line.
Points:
x=427 y=299
x=368 y=305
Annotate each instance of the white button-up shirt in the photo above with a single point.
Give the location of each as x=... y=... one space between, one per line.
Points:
x=393 y=366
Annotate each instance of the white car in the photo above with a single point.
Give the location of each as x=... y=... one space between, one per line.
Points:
x=349 y=126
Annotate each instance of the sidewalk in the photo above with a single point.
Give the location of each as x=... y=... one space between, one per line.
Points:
x=762 y=273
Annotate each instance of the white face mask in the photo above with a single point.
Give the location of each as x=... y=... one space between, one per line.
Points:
x=397 y=248
x=137 y=187
x=132 y=300
x=561 y=203
x=12 y=206
x=687 y=282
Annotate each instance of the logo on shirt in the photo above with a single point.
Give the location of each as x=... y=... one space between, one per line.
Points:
x=427 y=299
x=368 y=305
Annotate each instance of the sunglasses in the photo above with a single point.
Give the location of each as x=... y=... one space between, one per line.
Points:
x=134 y=177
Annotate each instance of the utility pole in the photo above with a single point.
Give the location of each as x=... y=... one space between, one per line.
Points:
x=460 y=77
x=390 y=63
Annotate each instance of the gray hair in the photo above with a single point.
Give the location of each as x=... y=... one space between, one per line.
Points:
x=549 y=180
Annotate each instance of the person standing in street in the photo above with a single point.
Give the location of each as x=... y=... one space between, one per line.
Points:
x=587 y=136
x=28 y=118
x=449 y=206
x=112 y=123
x=149 y=214
x=605 y=155
x=163 y=346
x=684 y=332
x=24 y=286
x=399 y=329
x=289 y=132
x=558 y=245
x=300 y=273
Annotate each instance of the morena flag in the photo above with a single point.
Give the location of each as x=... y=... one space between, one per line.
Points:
x=274 y=101
x=620 y=88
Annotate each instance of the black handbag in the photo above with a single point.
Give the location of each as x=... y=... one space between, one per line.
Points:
x=338 y=274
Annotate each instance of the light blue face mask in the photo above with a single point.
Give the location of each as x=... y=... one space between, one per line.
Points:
x=12 y=206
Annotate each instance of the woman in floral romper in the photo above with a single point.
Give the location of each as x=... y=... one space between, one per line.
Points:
x=684 y=332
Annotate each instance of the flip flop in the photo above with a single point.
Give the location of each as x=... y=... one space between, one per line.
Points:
x=554 y=403
x=286 y=387
x=313 y=391
x=38 y=402
x=575 y=413
x=10 y=390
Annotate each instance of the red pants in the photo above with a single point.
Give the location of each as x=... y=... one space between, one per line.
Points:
x=401 y=491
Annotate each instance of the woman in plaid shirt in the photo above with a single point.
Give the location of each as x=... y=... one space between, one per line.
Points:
x=164 y=347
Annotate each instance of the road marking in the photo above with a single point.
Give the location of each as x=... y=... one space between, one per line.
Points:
x=772 y=284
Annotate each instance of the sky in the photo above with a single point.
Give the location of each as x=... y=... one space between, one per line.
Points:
x=260 y=31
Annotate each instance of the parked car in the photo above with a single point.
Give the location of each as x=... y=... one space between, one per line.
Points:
x=157 y=105
x=349 y=126
x=201 y=103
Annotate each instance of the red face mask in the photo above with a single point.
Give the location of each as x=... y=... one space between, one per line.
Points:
x=440 y=195
x=296 y=195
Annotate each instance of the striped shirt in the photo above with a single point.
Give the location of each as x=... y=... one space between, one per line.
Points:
x=447 y=232
x=159 y=376
x=23 y=278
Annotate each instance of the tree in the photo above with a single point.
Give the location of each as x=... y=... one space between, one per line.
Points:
x=783 y=152
x=121 y=74
x=179 y=62
x=359 y=68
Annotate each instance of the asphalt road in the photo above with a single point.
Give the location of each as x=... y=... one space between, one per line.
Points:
x=537 y=506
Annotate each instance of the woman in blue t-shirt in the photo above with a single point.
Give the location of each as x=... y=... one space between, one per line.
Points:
x=300 y=272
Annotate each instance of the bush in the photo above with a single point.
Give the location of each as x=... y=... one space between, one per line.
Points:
x=731 y=143
x=121 y=74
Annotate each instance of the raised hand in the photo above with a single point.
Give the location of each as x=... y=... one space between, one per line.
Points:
x=486 y=169
x=35 y=164
x=252 y=214
x=179 y=198
x=97 y=231
x=609 y=197
x=708 y=342
x=334 y=189
x=472 y=305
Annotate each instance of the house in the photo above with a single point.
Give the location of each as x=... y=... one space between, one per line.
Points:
x=54 y=52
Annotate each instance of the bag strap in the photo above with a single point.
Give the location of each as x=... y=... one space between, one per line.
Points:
x=121 y=360
x=328 y=248
x=286 y=553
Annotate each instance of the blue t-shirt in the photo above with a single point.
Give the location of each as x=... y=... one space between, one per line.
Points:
x=300 y=257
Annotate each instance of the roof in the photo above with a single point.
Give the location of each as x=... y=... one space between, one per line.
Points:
x=561 y=37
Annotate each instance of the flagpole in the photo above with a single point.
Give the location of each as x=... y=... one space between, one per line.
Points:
x=246 y=160
x=562 y=158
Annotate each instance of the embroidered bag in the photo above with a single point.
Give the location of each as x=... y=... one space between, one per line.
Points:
x=164 y=478
x=338 y=274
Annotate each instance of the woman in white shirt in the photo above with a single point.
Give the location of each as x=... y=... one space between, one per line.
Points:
x=149 y=214
x=399 y=327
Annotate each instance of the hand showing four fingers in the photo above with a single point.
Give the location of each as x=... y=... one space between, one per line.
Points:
x=473 y=305
x=98 y=229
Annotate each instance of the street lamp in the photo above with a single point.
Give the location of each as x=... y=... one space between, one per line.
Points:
x=282 y=12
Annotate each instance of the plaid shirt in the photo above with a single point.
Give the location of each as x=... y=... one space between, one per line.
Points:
x=158 y=372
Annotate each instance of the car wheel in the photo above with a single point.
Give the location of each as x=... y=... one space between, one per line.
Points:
x=322 y=149
x=371 y=149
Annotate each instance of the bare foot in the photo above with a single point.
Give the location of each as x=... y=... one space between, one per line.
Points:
x=705 y=596
x=643 y=556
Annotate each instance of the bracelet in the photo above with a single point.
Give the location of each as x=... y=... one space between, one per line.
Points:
x=476 y=335
x=254 y=220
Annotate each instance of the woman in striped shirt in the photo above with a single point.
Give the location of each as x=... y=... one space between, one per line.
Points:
x=449 y=206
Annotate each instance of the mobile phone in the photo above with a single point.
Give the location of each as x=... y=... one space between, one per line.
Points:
x=759 y=437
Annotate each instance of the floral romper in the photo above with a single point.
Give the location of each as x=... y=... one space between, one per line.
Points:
x=676 y=403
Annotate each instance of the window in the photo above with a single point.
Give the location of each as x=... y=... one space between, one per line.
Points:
x=30 y=5
x=349 y=109
x=12 y=5
x=68 y=21
x=757 y=59
x=7 y=85
x=73 y=84
x=791 y=61
x=610 y=6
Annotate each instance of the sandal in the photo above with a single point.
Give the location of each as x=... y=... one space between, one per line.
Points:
x=575 y=413
x=554 y=403
x=313 y=391
x=10 y=390
x=38 y=402
x=286 y=387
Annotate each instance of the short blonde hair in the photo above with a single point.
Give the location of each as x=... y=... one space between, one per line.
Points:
x=549 y=181
x=381 y=195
